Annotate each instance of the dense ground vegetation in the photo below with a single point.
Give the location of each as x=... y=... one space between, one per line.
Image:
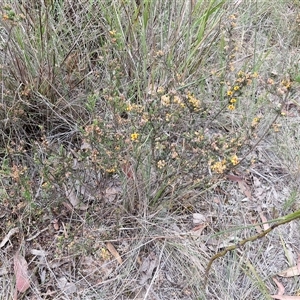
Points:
x=139 y=138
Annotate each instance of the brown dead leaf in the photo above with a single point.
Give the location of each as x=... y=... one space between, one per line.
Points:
x=73 y=199
x=280 y=287
x=21 y=273
x=111 y=193
x=196 y=232
x=110 y=247
x=147 y=268
x=244 y=187
x=128 y=170
x=66 y=286
x=290 y=272
x=198 y=219
x=280 y=293
x=264 y=220
x=234 y=178
x=71 y=195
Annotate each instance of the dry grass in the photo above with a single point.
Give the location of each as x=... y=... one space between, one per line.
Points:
x=120 y=123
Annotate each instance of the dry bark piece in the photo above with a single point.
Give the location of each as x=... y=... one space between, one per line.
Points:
x=8 y=236
x=110 y=247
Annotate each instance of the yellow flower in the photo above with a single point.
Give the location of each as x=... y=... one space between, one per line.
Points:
x=160 y=90
x=134 y=136
x=229 y=93
x=105 y=254
x=236 y=88
x=165 y=100
x=241 y=73
x=168 y=117
x=231 y=107
x=129 y=107
x=111 y=170
x=194 y=102
x=255 y=121
x=234 y=160
x=219 y=166
x=286 y=84
x=178 y=101
x=161 y=164
x=232 y=100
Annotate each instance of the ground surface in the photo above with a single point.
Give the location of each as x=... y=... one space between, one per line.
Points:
x=126 y=166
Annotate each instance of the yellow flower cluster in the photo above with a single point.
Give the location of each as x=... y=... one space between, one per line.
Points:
x=234 y=160
x=161 y=164
x=219 y=166
x=195 y=103
x=236 y=90
x=134 y=136
x=165 y=100
x=134 y=107
x=178 y=101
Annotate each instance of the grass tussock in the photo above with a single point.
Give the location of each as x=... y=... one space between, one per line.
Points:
x=120 y=123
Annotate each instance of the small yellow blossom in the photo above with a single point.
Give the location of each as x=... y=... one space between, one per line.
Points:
x=134 y=136
x=255 y=75
x=276 y=127
x=236 y=88
x=5 y=17
x=159 y=146
x=111 y=170
x=129 y=107
x=229 y=93
x=286 y=84
x=255 y=121
x=232 y=100
x=144 y=119
x=161 y=164
x=178 y=101
x=194 y=102
x=178 y=77
x=168 y=117
x=105 y=254
x=165 y=100
x=160 y=90
x=231 y=107
x=241 y=73
x=160 y=53
x=219 y=167
x=174 y=154
x=234 y=160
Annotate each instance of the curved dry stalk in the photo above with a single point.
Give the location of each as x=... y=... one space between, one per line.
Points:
x=283 y=220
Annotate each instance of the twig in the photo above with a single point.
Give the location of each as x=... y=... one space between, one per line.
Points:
x=283 y=220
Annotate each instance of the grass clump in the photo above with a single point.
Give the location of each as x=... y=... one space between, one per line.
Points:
x=120 y=119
